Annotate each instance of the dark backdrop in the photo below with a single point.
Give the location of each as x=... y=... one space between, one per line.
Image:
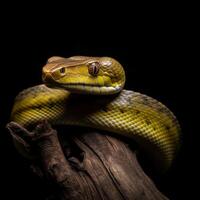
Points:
x=158 y=56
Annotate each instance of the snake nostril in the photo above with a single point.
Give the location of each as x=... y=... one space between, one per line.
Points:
x=46 y=77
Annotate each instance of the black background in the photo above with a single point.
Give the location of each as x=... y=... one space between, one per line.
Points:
x=157 y=51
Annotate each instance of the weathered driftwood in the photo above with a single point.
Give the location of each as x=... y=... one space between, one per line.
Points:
x=88 y=166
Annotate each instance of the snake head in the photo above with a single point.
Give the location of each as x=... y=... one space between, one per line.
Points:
x=81 y=74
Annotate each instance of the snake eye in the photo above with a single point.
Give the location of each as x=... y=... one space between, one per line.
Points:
x=62 y=70
x=93 y=68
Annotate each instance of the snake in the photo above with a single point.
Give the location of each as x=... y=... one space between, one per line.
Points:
x=89 y=92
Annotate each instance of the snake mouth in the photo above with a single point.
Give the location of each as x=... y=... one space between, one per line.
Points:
x=81 y=88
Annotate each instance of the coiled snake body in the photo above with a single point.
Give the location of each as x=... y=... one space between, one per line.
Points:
x=88 y=91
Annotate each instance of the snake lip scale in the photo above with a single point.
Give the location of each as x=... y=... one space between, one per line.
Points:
x=88 y=91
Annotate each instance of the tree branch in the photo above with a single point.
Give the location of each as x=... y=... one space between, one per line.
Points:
x=86 y=165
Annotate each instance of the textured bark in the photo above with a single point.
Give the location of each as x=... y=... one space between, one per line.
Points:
x=88 y=166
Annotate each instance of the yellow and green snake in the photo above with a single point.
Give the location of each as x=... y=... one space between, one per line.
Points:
x=88 y=91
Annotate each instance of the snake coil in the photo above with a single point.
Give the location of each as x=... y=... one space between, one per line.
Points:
x=88 y=91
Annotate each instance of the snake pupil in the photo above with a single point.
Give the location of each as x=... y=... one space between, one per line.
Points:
x=93 y=68
x=62 y=70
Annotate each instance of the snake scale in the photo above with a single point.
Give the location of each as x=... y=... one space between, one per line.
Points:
x=88 y=91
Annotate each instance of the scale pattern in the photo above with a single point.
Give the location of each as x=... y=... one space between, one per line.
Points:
x=151 y=124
